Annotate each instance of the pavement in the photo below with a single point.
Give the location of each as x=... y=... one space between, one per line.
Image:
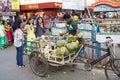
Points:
x=10 y=71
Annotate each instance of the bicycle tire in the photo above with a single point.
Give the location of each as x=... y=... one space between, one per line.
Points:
x=38 y=64
x=105 y=69
x=115 y=65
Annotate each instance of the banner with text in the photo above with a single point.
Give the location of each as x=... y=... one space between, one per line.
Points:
x=73 y=4
x=9 y=5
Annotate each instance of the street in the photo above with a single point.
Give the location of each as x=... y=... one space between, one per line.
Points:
x=10 y=71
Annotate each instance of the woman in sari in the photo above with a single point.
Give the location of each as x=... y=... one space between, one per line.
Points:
x=3 y=39
x=8 y=33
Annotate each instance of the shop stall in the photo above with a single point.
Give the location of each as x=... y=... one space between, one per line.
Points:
x=30 y=7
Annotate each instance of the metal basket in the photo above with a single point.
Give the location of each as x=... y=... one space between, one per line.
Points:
x=31 y=46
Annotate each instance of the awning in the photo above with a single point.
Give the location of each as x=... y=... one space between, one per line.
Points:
x=41 y=6
x=105 y=2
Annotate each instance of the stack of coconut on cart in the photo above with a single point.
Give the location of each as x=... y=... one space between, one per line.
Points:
x=59 y=49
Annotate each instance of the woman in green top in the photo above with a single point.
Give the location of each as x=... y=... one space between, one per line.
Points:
x=2 y=36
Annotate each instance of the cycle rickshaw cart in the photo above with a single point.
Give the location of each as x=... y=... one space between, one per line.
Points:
x=43 y=53
x=41 y=57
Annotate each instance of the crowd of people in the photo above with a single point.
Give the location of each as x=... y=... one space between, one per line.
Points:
x=15 y=32
x=35 y=27
x=6 y=37
x=30 y=29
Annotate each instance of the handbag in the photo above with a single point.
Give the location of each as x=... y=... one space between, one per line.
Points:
x=17 y=43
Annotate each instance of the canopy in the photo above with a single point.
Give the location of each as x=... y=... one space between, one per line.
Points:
x=39 y=4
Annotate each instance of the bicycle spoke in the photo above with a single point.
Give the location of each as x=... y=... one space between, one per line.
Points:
x=106 y=68
x=115 y=64
x=39 y=65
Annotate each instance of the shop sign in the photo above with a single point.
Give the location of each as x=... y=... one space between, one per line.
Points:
x=105 y=8
x=5 y=5
x=89 y=2
x=7 y=13
x=25 y=2
x=73 y=4
x=58 y=5
x=32 y=6
x=9 y=5
x=0 y=5
x=15 y=4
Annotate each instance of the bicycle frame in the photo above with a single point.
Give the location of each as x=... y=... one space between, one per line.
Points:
x=101 y=57
x=81 y=52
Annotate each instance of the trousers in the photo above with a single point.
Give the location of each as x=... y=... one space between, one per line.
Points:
x=19 y=55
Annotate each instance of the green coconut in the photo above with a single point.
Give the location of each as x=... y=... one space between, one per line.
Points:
x=60 y=43
x=75 y=45
x=58 y=51
x=70 y=38
x=64 y=51
x=70 y=47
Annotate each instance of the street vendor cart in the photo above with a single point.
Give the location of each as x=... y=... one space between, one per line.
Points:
x=52 y=50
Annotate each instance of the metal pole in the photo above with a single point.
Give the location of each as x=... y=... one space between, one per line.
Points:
x=93 y=29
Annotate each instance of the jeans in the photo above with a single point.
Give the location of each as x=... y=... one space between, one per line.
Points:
x=19 y=56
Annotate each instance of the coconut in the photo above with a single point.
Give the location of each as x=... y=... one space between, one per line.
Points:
x=60 y=43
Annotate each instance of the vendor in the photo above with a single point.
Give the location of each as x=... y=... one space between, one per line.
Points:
x=70 y=25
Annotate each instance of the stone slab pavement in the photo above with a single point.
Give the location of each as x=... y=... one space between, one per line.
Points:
x=10 y=71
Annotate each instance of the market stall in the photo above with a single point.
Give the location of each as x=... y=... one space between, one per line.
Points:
x=47 y=7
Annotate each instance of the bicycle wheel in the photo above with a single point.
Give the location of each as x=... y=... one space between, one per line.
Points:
x=105 y=69
x=115 y=64
x=38 y=64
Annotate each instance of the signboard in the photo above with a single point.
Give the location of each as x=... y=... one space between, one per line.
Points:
x=24 y=2
x=32 y=6
x=5 y=5
x=0 y=5
x=89 y=2
x=9 y=5
x=15 y=4
x=7 y=13
x=73 y=4
x=105 y=8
